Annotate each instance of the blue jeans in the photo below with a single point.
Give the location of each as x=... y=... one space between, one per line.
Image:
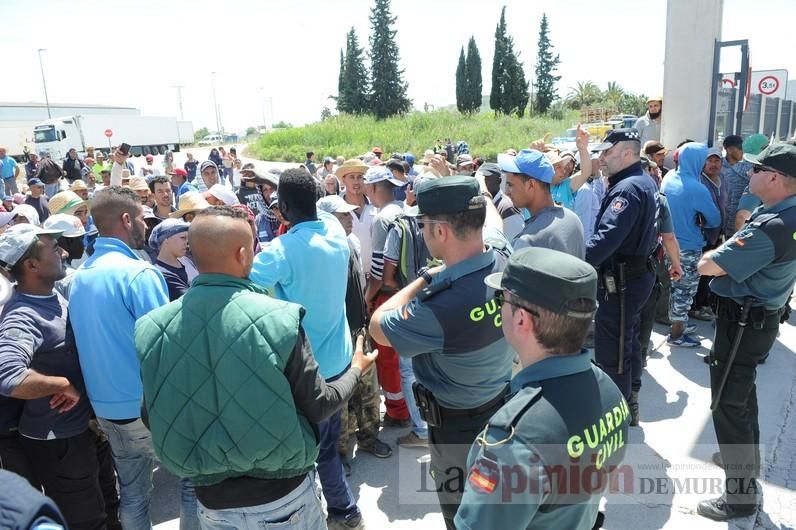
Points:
x=340 y=501
x=298 y=510
x=419 y=426
x=134 y=457
x=52 y=189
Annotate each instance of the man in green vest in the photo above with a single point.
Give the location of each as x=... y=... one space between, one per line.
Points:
x=232 y=388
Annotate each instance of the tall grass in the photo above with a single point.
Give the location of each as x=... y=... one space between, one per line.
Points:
x=349 y=136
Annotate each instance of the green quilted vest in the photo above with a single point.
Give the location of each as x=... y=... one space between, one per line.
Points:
x=219 y=404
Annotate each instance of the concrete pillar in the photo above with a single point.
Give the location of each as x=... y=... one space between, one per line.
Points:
x=692 y=27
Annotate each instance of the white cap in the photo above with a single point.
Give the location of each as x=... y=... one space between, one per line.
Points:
x=381 y=173
x=28 y=212
x=68 y=224
x=15 y=241
x=335 y=203
x=223 y=194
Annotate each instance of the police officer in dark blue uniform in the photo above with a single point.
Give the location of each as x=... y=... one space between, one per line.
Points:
x=565 y=417
x=448 y=322
x=621 y=250
x=754 y=271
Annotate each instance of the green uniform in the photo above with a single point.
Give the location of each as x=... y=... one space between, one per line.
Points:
x=760 y=262
x=543 y=431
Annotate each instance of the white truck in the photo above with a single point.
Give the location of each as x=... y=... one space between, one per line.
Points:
x=145 y=134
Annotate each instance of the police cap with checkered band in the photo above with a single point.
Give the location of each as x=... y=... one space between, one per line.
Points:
x=619 y=135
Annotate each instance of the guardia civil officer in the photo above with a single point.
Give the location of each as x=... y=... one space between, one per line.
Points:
x=620 y=249
x=754 y=271
x=449 y=324
x=565 y=416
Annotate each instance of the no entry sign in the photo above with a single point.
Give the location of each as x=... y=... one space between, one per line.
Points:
x=108 y=133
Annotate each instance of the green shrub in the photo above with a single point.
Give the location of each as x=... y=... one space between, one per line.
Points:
x=350 y=136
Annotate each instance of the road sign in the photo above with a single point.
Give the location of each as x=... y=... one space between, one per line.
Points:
x=108 y=133
x=768 y=85
x=728 y=83
x=771 y=83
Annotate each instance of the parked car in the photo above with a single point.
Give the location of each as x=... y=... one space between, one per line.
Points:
x=211 y=139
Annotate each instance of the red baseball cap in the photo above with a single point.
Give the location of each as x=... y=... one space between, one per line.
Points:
x=180 y=171
x=377 y=151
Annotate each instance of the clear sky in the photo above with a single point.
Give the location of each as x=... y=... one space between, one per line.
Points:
x=131 y=53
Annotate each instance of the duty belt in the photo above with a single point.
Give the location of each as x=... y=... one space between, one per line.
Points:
x=457 y=413
x=730 y=310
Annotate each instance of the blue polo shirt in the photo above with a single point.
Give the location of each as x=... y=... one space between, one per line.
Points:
x=309 y=266
x=455 y=337
x=7 y=165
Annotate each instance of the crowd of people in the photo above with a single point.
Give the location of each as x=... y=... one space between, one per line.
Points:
x=223 y=321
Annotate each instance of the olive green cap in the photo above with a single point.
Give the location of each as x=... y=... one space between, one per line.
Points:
x=548 y=278
x=447 y=195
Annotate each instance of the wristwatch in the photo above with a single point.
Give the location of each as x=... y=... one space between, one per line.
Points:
x=423 y=273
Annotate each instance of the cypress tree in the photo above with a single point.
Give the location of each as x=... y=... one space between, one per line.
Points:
x=388 y=90
x=462 y=95
x=475 y=83
x=498 y=70
x=341 y=88
x=546 y=63
x=356 y=85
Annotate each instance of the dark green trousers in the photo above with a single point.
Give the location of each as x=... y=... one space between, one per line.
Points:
x=735 y=417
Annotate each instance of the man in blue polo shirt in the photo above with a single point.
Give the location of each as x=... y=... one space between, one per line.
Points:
x=9 y=170
x=309 y=266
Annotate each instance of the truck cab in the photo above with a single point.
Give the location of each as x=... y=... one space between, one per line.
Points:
x=57 y=136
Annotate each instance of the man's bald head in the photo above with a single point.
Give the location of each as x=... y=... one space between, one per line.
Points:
x=221 y=241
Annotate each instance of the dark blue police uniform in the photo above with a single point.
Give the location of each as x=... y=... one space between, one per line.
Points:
x=624 y=238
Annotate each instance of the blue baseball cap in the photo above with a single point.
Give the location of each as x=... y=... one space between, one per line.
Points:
x=7 y=198
x=35 y=182
x=528 y=162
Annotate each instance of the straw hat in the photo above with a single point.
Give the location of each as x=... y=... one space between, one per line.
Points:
x=353 y=165
x=65 y=202
x=138 y=184
x=78 y=185
x=190 y=202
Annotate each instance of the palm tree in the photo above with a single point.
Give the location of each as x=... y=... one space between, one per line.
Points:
x=614 y=94
x=583 y=94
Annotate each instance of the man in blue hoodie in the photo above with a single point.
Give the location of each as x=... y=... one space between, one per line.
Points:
x=692 y=209
x=124 y=288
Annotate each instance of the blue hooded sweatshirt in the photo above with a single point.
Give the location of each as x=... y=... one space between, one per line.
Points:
x=687 y=197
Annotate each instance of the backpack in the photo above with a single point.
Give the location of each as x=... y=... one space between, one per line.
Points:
x=49 y=172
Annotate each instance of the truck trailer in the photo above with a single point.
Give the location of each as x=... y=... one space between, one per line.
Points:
x=145 y=134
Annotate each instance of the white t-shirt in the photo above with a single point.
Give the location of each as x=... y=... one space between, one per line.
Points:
x=362 y=221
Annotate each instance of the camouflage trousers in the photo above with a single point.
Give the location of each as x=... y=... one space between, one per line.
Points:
x=684 y=289
x=361 y=415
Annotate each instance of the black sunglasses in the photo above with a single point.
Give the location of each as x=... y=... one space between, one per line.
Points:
x=758 y=169
x=500 y=298
x=421 y=224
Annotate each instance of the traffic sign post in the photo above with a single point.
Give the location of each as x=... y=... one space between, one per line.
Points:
x=108 y=134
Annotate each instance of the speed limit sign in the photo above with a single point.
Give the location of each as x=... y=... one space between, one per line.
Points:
x=770 y=83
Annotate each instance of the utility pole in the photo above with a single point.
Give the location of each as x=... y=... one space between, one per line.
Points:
x=262 y=108
x=271 y=105
x=44 y=82
x=179 y=99
x=215 y=102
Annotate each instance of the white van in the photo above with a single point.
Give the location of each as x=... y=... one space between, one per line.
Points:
x=211 y=139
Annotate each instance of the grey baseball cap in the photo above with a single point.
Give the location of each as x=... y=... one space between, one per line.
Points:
x=18 y=239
